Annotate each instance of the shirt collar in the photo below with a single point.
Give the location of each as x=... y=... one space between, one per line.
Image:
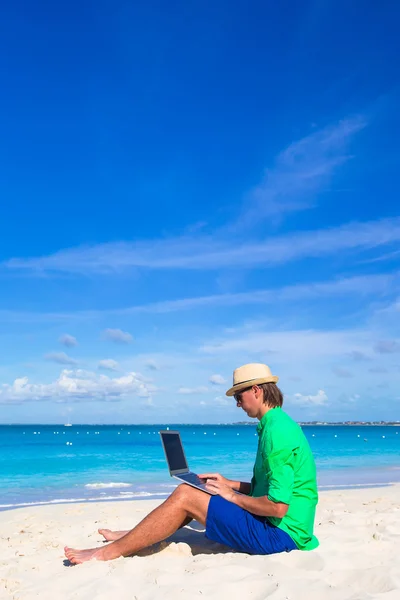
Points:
x=265 y=419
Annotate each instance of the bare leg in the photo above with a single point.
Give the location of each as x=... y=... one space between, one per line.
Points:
x=162 y=522
x=112 y=536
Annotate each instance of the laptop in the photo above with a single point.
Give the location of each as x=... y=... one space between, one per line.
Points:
x=177 y=463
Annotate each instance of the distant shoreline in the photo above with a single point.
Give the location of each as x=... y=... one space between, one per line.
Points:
x=245 y=423
x=341 y=424
x=351 y=424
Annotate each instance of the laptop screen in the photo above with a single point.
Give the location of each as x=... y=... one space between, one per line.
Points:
x=174 y=451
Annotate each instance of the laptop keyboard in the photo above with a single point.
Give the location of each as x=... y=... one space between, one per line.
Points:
x=192 y=478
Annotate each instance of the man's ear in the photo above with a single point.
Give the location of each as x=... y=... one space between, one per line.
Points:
x=259 y=392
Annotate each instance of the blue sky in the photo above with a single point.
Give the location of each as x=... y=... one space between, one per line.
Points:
x=191 y=187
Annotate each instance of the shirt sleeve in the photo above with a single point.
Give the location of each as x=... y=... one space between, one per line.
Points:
x=280 y=474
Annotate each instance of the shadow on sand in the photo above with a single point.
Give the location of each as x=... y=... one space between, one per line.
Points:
x=193 y=535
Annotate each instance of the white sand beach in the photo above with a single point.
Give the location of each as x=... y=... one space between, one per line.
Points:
x=358 y=557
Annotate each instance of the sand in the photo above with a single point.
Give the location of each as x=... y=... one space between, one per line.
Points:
x=358 y=557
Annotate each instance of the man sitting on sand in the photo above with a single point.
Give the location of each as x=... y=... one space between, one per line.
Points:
x=274 y=513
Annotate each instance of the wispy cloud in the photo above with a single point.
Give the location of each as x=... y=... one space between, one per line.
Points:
x=295 y=345
x=217 y=379
x=212 y=252
x=303 y=169
x=298 y=173
x=361 y=285
x=364 y=285
x=201 y=389
x=388 y=256
x=61 y=358
x=118 y=336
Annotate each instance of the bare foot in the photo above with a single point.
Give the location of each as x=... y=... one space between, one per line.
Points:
x=111 y=536
x=79 y=556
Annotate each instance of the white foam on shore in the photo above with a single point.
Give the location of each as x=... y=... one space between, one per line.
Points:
x=337 y=486
x=74 y=500
x=101 y=486
x=142 y=494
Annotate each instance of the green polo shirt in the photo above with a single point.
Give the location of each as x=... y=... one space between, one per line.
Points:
x=284 y=471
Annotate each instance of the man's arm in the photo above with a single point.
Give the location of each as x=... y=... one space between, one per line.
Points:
x=279 y=471
x=261 y=506
x=238 y=486
x=241 y=486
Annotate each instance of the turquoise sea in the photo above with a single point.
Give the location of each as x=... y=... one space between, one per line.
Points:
x=58 y=463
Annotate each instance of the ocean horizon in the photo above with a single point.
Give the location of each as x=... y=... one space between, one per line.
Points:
x=45 y=464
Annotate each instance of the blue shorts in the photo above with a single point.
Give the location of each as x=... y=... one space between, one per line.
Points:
x=233 y=526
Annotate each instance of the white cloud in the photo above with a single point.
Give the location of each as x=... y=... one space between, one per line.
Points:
x=319 y=399
x=217 y=379
x=76 y=385
x=68 y=340
x=108 y=364
x=61 y=358
x=118 y=336
x=197 y=390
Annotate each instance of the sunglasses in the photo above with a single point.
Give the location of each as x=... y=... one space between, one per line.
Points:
x=238 y=396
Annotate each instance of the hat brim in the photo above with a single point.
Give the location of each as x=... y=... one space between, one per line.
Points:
x=247 y=384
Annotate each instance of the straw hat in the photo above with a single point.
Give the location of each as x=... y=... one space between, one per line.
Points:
x=248 y=375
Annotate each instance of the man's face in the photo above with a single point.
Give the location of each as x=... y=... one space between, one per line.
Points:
x=249 y=400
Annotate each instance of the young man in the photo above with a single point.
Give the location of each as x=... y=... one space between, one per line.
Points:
x=274 y=513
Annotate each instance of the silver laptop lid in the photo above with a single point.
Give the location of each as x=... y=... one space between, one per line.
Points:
x=176 y=459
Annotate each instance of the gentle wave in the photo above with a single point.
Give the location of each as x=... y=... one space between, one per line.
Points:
x=101 y=486
x=137 y=495
x=74 y=500
x=336 y=486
